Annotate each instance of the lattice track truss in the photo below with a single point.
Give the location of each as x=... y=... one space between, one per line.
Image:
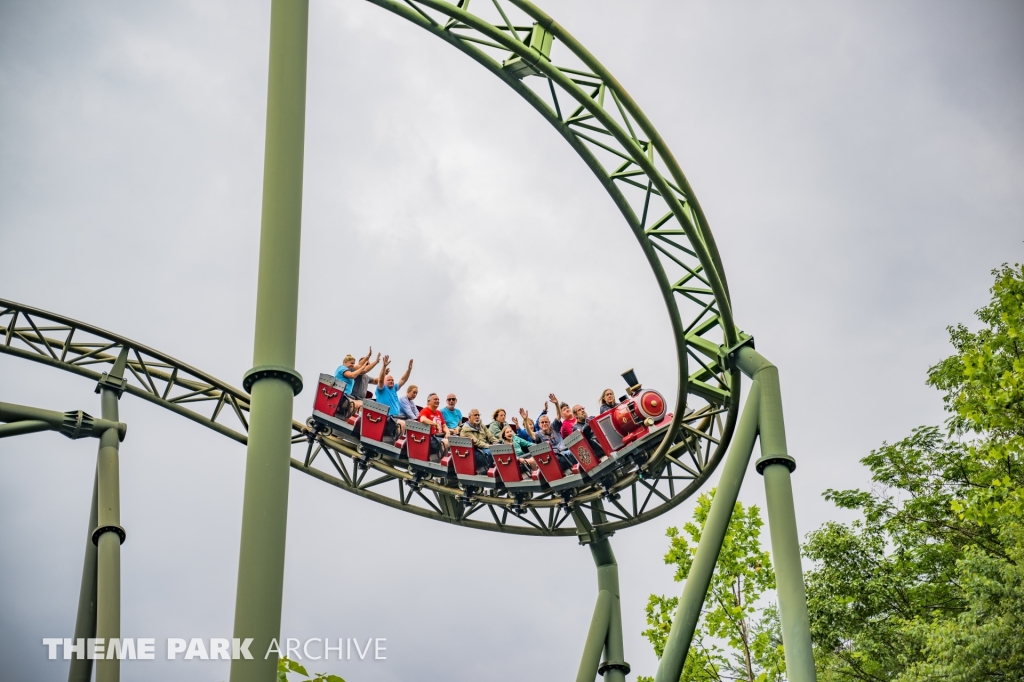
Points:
x=563 y=82
x=87 y=351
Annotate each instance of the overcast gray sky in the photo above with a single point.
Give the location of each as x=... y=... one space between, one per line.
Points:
x=861 y=165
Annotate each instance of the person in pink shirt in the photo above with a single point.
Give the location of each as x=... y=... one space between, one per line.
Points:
x=565 y=422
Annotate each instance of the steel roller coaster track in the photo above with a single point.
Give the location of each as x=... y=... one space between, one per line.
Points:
x=86 y=350
x=563 y=82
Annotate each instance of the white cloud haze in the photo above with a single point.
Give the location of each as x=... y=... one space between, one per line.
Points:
x=861 y=165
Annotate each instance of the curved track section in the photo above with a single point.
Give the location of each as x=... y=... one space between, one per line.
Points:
x=86 y=350
x=565 y=84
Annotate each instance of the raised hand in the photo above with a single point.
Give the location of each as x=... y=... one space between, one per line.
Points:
x=545 y=406
x=553 y=399
x=515 y=422
x=524 y=414
x=410 y=364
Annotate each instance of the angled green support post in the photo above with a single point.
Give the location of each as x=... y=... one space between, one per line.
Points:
x=605 y=634
x=20 y=428
x=108 y=534
x=776 y=465
x=104 y=526
x=85 y=621
x=684 y=623
x=596 y=636
x=613 y=666
x=273 y=381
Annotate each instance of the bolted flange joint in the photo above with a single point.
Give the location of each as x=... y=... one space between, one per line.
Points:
x=613 y=665
x=286 y=374
x=729 y=355
x=116 y=384
x=767 y=460
x=116 y=530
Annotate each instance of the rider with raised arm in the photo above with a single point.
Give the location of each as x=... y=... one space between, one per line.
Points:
x=565 y=420
x=387 y=394
x=520 y=446
x=361 y=383
x=545 y=433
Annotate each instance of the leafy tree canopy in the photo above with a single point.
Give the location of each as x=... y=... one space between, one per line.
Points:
x=731 y=613
x=929 y=583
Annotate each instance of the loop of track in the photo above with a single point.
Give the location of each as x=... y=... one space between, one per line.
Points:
x=605 y=127
x=87 y=351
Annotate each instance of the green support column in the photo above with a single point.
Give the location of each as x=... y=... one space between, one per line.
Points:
x=273 y=381
x=85 y=622
x=776 y=465
x=596 y=637
x=684 y=623
x=614 y=666
x=108 y=534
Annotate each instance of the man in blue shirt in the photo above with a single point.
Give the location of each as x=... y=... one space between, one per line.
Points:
x=387 y=388
x=451 y=415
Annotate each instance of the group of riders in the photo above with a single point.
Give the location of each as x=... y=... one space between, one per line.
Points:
x=357 y=376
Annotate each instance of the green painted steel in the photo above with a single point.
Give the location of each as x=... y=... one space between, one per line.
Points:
x=620 y=146
x=23 y=427
x=789 y=580
x=74 y=425
x=613 y=666
x=85 y=620
x=265 y=504
x=776 y=465
x=684 y=623
x=79 y=348
x=630 y=156
x=596 y=636
x=108 y=518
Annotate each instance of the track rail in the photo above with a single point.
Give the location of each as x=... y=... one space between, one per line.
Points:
x=546 y=66
x=87 y=351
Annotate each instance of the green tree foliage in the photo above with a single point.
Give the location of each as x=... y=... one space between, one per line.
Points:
x=752 y=638
x=929 y=583
x=285 y=666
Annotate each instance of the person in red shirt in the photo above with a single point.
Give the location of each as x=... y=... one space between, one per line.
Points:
x=438 y=429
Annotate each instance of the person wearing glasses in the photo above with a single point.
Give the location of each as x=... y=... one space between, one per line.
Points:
x=452 y=415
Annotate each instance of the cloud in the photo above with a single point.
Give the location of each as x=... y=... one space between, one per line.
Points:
x=861 y=166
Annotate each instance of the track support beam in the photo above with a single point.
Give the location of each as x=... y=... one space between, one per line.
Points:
x=762 y=416
x=605 y=634
x=273 y=379
x=85 y=621
x=108 y=534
